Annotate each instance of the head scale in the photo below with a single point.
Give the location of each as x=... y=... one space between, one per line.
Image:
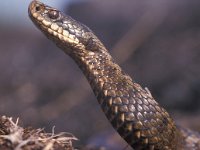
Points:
x=63 y=30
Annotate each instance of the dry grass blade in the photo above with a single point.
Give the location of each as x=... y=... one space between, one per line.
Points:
x=12 y=136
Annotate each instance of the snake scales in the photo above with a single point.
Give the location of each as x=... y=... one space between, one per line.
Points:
x=132 y=111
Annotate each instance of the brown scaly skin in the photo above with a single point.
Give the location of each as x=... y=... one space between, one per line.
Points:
x=132 y=111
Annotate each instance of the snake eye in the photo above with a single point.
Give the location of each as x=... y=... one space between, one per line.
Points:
x=53 y=14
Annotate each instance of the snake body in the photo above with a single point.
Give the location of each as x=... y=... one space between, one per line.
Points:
x=131 y=109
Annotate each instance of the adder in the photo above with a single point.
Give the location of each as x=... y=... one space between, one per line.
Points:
x=131 y=109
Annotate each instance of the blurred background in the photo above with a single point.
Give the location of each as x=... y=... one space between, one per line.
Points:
x=156 y=42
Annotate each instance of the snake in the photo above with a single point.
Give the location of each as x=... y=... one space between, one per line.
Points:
x=131 y=109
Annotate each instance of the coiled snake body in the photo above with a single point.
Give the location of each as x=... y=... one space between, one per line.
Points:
x=132 y=111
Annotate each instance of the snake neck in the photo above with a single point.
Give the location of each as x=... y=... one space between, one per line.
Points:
x=105 y=77
x=132 y=110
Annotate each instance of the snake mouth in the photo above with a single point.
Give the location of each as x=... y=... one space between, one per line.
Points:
x=36 y=11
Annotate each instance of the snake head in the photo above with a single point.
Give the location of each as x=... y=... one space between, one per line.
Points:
x=67 y=33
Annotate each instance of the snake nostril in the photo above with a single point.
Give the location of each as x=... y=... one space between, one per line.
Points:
x=37 y=8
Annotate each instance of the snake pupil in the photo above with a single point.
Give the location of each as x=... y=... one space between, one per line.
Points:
x=53 y=14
